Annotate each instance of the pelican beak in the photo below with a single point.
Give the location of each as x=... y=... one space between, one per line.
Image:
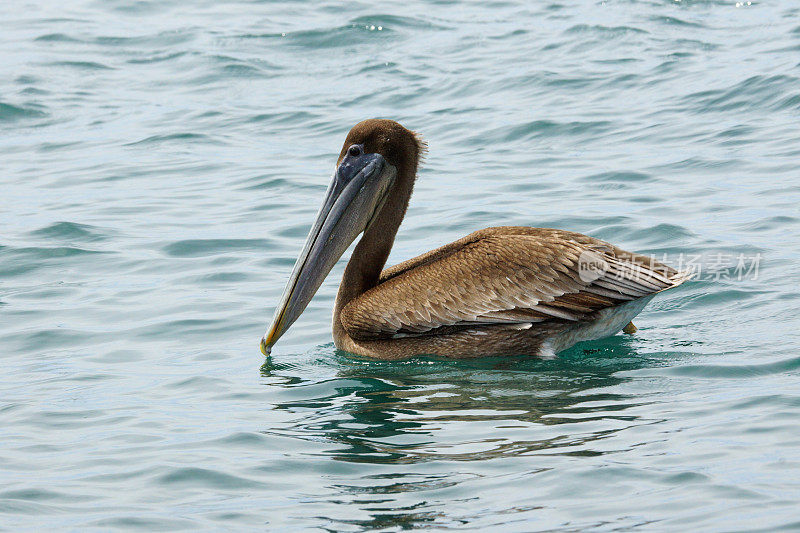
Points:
x=358 y=190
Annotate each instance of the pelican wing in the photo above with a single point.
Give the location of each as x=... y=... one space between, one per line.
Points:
x=504 y=276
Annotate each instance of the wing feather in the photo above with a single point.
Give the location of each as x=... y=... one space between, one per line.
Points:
x=514 y=276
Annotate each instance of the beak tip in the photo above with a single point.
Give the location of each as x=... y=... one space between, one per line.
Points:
x=264 y=349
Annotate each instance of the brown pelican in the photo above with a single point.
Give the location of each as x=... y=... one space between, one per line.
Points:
x=498 y=291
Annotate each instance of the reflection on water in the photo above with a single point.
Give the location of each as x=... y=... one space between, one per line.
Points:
x=384 y=412
x=417 y=416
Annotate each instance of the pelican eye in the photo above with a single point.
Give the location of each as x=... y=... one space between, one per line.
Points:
x=354 y=150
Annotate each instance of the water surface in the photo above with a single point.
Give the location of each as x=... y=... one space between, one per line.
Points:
x=162 y=162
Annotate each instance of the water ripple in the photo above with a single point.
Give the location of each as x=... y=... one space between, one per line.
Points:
x=9 y=112
x=204 y=247
x=70 y=231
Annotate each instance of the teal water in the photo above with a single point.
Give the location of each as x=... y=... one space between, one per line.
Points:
x=162 y=162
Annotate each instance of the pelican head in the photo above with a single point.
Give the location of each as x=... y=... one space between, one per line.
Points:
x=374 y=153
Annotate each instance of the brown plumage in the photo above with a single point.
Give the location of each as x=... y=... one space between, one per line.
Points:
x=498 y=291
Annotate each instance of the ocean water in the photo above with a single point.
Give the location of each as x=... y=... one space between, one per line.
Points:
x=162 y=162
